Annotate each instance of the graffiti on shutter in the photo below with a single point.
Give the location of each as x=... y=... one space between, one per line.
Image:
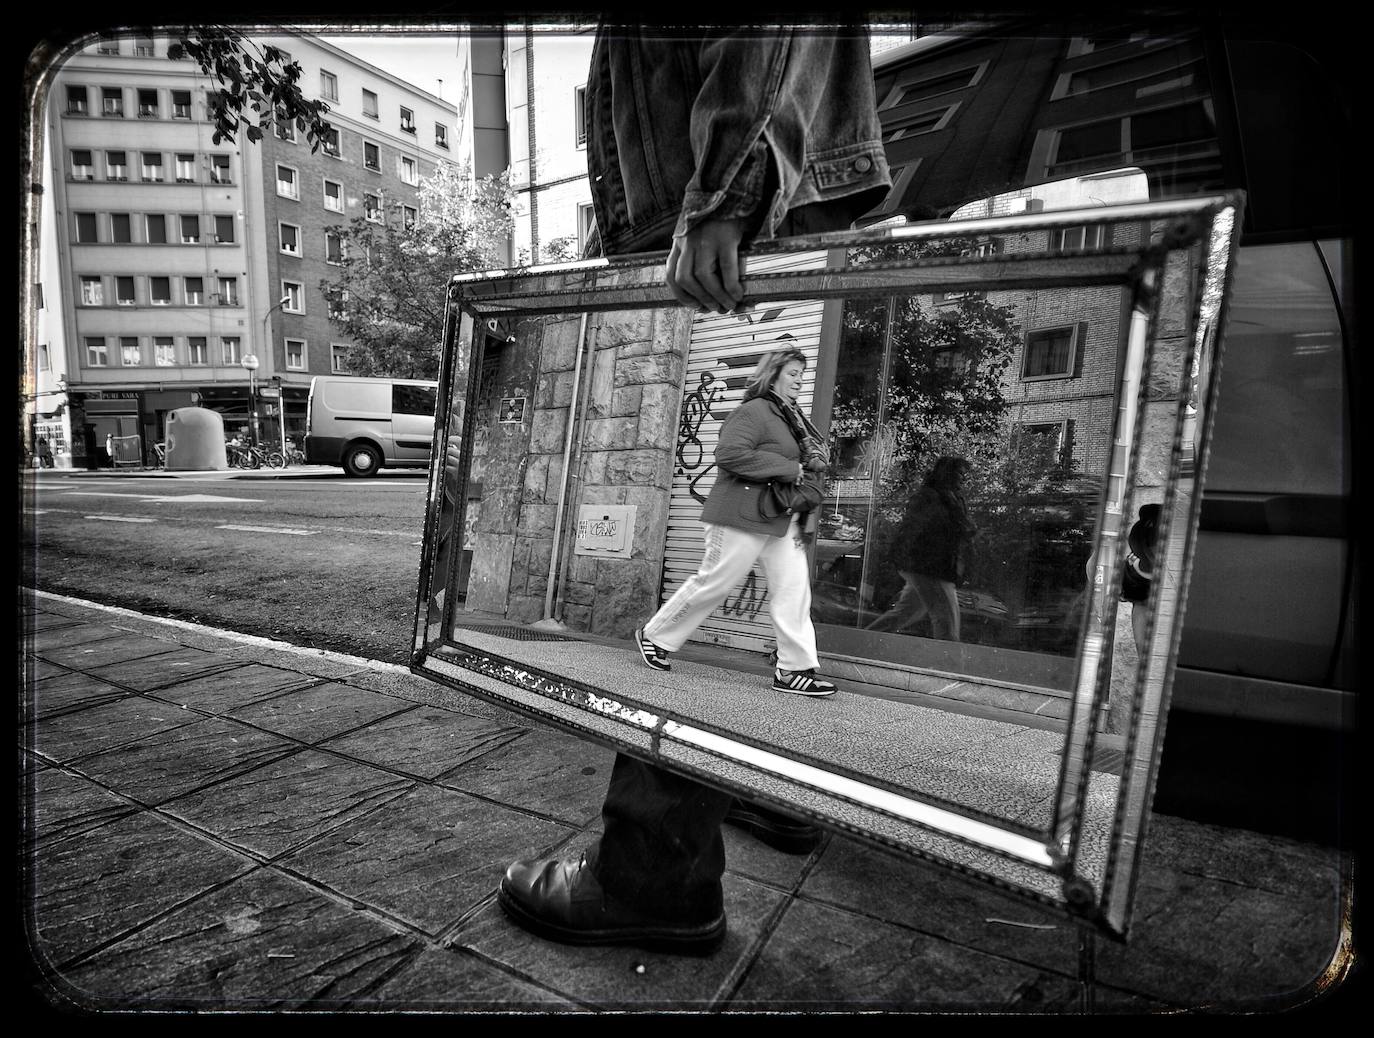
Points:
x=724 y=350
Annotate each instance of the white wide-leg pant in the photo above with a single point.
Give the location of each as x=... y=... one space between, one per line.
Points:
x=726 y=562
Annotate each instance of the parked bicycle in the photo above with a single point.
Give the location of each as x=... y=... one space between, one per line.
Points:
x=248 y=455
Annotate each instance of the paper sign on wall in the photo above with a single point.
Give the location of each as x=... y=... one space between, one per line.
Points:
x=605 y=530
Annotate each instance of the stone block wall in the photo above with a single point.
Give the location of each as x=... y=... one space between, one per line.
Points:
x=625 y=457
x=625 y=411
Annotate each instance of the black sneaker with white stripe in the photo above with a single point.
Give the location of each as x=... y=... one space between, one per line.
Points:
x=653 y=655
x=802 y=683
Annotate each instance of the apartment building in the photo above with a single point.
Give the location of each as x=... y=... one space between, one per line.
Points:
x=178 y=258
x=545 y=84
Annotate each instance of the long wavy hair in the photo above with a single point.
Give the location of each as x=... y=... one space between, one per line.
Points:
x=947 y=473
x=767 y=369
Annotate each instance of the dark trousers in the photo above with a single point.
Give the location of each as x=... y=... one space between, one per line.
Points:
x=661 y=850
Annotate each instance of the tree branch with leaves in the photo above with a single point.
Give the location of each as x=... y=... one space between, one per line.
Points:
x=252 y=78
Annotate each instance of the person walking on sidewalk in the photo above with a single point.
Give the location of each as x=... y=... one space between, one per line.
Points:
x=699 y=145
x=928 y=553
x=765 y=439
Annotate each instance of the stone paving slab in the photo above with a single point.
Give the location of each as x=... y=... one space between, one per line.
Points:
x=70 y=635
x=421 y=690
x=226 y=690
x=284 y=804
x=748 y=856
x=263 y=942
x=859 y=879
x=167 y=668
x=44 y=620
x=425 y=742
x=611 y=978
x=1271 y=863
x=62 y=806
x=118 y=876
x=427 y=858
x=96 y=653
x=822 y=958
x=317 y=664
x=454 y=980
x=165 y=765
x=319 y=712
x=45 y=671
x=543 y=771
x=1220 y=945
x=72 y=690
x=82 y=733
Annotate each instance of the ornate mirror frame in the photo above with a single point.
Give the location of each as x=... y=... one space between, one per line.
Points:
x=1082 y=854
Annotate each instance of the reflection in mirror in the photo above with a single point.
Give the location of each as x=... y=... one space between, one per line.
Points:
x=1000 y=396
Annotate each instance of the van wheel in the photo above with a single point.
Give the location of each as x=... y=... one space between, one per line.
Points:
x=362 y=459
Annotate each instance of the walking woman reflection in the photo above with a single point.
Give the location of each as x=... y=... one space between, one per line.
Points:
x=927 y=551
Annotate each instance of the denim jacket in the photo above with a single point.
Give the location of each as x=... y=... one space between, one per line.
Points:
x=729 y=125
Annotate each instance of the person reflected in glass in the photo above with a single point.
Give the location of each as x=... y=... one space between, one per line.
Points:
x=1139 y=571
x=767 y=438
x=927 y=552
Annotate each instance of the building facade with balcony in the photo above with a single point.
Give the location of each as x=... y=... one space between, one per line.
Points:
x=174 y=254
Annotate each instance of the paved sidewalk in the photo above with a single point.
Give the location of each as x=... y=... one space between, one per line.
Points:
x=289 y=472
x=221 y=823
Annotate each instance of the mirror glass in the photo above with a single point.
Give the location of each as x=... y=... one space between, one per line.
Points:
x=1014 y=407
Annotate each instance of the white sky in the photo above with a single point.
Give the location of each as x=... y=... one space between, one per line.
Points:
x=420 y=59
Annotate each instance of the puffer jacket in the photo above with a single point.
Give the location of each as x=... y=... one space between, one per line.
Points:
x=674 y=138
x=756 y=446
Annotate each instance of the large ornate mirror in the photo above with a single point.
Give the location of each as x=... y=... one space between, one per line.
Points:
x=1012 y=731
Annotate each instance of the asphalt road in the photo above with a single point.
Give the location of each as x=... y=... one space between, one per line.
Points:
x=327 y=562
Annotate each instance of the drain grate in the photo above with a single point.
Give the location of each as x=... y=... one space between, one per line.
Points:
x=514 y=633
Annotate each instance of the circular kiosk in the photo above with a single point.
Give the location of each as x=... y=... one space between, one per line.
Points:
x=195 y=440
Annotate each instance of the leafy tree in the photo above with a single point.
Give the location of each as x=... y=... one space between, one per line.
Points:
x=251 y=77
x=946 y=369
x=562 y=249
x=945 y=384
x=390 y=289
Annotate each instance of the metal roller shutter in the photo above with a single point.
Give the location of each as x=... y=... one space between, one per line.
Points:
x=723 y=352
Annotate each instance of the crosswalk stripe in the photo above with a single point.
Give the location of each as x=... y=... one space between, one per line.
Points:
x=269 y=529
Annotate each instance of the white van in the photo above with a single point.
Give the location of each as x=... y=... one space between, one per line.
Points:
x=367 y=424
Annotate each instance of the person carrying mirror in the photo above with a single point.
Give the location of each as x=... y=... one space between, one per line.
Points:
x=699 y=144
x=927 y=551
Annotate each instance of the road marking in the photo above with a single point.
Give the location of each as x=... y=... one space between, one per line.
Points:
x=349 y=531
x=270 y=529
x=162 y=498
x=119 y=519
x=202 y=499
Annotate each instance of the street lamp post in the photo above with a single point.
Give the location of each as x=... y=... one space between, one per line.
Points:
x=252 y=389
x=281 y=413
x=250 y=364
